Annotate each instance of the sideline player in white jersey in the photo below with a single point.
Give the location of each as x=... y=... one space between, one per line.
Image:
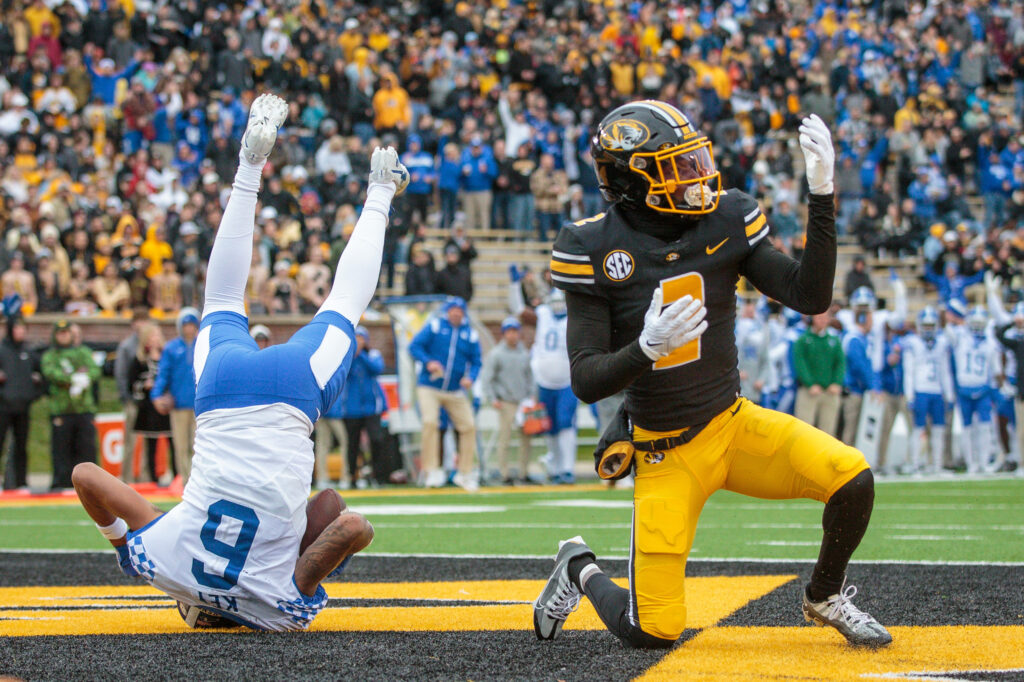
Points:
x=1008 y=326
x=975 y=366
x=549 y=361
x=752 y=343
x=928 y=386
x=863 y=299
x=780 y=357
x=229 y=553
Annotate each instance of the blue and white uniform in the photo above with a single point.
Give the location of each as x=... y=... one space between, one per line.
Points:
x=232 y=544
x=976 y=363
x=752 y=343
x=780 y=359
x=549 y=362
x=975 y=366
x=880 y=319
x=928 y=386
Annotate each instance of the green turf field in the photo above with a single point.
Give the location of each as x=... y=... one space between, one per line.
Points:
x=955 y=520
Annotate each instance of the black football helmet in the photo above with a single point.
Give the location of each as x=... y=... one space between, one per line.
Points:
x=648 y=154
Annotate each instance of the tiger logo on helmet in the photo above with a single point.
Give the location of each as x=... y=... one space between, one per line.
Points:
x=647 y=154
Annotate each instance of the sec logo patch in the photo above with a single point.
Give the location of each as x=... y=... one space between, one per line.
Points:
x=618 y=266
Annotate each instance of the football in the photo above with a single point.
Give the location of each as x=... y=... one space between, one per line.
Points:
x=401 y=179
x=321 y=509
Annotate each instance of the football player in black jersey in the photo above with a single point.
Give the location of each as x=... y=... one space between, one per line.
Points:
x=650 y=287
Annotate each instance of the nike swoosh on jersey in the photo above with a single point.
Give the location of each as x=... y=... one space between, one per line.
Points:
x=711 y=249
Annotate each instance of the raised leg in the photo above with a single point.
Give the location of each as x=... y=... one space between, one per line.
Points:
x=231 y=255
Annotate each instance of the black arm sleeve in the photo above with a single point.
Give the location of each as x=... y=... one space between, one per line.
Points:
x=804 y=285
x=597 y=372
x=1001 y=334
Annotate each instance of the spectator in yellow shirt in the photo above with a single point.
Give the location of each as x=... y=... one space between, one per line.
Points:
x=391 y=108
x=155 y=249
x=38 y=14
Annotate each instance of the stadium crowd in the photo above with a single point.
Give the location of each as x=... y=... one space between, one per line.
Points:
x=119 y=127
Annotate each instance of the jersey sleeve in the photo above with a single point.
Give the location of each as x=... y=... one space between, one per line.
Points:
x=571 y=267
x=755 y=223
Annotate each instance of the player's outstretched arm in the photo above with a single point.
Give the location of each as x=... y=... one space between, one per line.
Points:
x=358 y=270
x=804 y=285
x=231 y=255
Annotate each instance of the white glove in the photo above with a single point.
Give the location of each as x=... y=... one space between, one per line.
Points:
x=671 y=328
x=385 y=167
x=992 y=284
x=819 y=156
x=79 y=382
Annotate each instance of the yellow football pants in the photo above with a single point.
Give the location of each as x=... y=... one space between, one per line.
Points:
x=746 y=449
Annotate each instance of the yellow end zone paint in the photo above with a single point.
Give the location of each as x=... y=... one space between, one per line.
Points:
x=813 y=653
x=709 y=601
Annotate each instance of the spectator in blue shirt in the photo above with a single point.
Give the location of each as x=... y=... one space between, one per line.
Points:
x=422 y=177
x=191 y=129
x=364 y=403
x=449 y=170
x=448 y=351
x=951 y=284
x=174 y=389
x=860 y=376
x=478 y=172
x=104 y=77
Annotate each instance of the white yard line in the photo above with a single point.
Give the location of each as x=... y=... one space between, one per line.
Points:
x=753 y=560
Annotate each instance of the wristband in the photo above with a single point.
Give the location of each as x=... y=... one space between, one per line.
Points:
x=115 y=531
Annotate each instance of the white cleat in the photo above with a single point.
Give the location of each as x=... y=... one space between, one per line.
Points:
x=859 y=628
x=267 y=114
x=385 y=167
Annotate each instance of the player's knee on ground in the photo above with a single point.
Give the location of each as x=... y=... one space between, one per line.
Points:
x=636 y=638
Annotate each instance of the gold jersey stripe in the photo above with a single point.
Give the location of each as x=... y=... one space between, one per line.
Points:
x=755 y=227
x=571 y=268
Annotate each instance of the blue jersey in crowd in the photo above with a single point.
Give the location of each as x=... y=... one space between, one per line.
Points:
x=457 y=348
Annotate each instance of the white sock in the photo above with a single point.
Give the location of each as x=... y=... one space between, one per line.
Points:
x=967 y=447
x=228 y=268
x=586 y=573
x=448 y=447
x=358 y=271
x=567 y=449
x=938 y=439
x=916 y=443
x=556 y=454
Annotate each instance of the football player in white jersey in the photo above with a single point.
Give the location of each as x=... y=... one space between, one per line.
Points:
x=1008 y=432
x=229 y=553
x=975 y=366
x=549 y=361
x=780 y=356
x=863 y=299
x=928 y=386
x=752 y=344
